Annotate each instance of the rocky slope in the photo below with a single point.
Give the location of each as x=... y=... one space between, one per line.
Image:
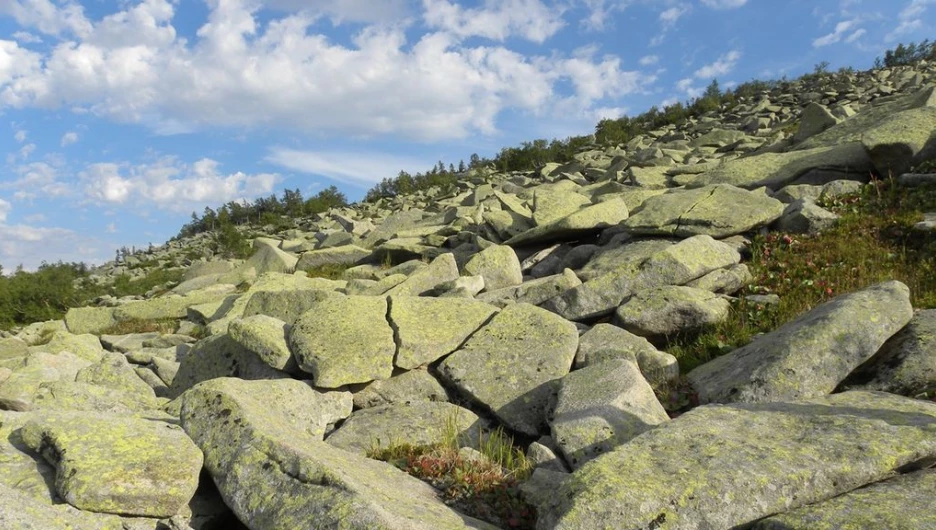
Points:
x=524 y=300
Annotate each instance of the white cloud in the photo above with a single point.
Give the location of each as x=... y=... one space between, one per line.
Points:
x=910 y=19
x=5 y=208
x=171 y=185
x=496 y=20
x=111 y=228
x=724 y=4
x=30 y=246
x=27 y=150
x=347 y=10
x=34 y=180
x=840 y=29
x=47 y=17
x=855 y=36
x=723 y=65
x=648 y=60
x=670 y=16
x=69 y=138
x=20 y=136
x=362 y=169
x=26 y=37
x=131 y=67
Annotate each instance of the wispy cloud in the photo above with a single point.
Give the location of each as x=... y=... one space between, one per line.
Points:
x=357 y=168
x=69 y=138
x=840 y=30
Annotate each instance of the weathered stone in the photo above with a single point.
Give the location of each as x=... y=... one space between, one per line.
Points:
x=728 y=466
x=510 y=364
x=611 y=257
x=416 y=424
x=588 y=220
x=533 y=292
x=605 y=342
x=550 y=205
x=344 y=255
x=810 y=355
x=344 y=340
x=171 y=306
x=113 y=371
x=274 y=473
x=219 y=356
x=904 y=502
x=266 y=337
x=804 y=216
x=86 y=346
x=600 y=407
x=813 y=120
x=671 y=309
x=82 y=320
x=724 y=281
x=71 y=395
x=430 y=328
x=498 y=265
x=19 y=389
x=287 y=305
x=440 y=270
x=117 y=465
x=23 y=512
x=408 y=387
x=720 y=210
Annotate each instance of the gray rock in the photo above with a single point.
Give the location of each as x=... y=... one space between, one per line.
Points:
x=601 y=407
x=533 y=292
x=89 y=319
x=632 y=252
x=498 y=265
x=510 y=364
x=219 y=356
x=274 y=473
x=21 y=511
x=814 y=119
x=804 y=216
x=605 y=342
x=810 y=355
x=287 y=305
x=113 y=371
x=728 y=466
x=588 y=220
x=171 y=306
x=416 y=424
x=266 y=337
x=344 y=255
x=408 y=387
x=440 y=270
x=344 y=340
x=724 y=281
x=452 y=321
x=671 y=309
x=552 y=204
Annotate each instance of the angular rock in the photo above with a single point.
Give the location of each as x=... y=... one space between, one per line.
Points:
x=171 y=306
x=427 y=329
x=273 y=473
x=71 y=395
x=408 y=387
x=113 y=371
x=588 y=220
x=343 y=255
x=551 y=205
x=287 y=305
x=266 y=337
x=728 y=466
x=344 y=340
x=23 y=512
x=533 y=292
x=724 y=281
x=440 y=270
x=601 y=407
x=219 y=356
x=720 y=210
x=605 y=342
x=671 y=309
x=804 y=216
x=86 y=346
x=82 y=320
x=810 y=355
x=117 y=465
x=19 y=389
x=498 y=265
x=417 y=424
x=813 y=120
x=510 y=365
x=632 y=252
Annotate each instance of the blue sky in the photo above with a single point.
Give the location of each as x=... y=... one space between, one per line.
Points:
x=118 y=118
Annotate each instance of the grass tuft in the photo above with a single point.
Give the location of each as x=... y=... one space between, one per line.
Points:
x=126 y=327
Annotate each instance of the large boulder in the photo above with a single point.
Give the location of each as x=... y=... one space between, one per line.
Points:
x=274 y=471
x=266 y=337
x=219 y=356
x=344 y=340
x=588 y=220
x=510 y=365
x=408 y=387
x=440 y=270
x=605 y=342
x=430 y=328
x=728 y=466
x=343 y=255
x=671 y=309
x=89 y=319
x=171 y=306
x=810 y=355
x=498 y=265
x=719 y=210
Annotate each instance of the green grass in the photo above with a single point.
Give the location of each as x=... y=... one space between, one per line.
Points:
x=331 y=271
x=124 y=286
x=126 y=327
x=872 y=242
x=485 y=488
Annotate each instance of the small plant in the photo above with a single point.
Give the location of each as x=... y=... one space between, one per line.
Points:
x=331 y=271
x=126 y=327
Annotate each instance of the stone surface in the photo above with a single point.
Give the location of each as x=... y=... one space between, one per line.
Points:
x=498 y=265
x=273 y=473
x=266 y=337
x=600 y=407
x=728 y=466
x=343 y=340
x=408 y=387
x=810 y=355
x=440 y=270
x=219 y=356
x=671 y=309
x=117 y=465
x=427 y=329
x=510 y=365
x=588 y=220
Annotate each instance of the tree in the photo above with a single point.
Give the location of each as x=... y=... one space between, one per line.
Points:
x=461 y=166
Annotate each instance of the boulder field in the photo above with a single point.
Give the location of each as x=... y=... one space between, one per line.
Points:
x=529 y=301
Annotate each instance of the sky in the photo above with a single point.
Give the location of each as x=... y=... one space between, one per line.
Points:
x=119 y=118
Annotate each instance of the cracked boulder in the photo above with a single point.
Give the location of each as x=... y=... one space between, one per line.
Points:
x=589 y=220
x=219 y=356
x=511 y=365
x=720 y=210
x=275 y=472
x=810 y=355
x=728 y=466
x=605 y=342
x=266 y=337
x=408 y=387
x=430 y=328
x=498 y=265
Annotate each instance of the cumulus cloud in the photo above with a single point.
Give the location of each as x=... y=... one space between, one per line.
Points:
x=29 y=246
x=496 y=19
x=26 y=37
x=35 y=179
x=648 y=60
x=69 y=138
x=670 y=16
x=132 y=67
x=67 y=18
x=723 y=65
x=840 y=29
x=171 y=185
x=347 y=10
x=724 y=4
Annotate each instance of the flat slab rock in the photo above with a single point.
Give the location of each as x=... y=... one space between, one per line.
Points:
x=273 y=473
x=810 y=355
x=430 y=328
x=510 y=365
x=117 y=465
x=904 y=502
x=728 y=466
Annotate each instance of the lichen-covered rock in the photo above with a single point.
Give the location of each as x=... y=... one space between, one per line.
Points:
x=343 y=255
x=720 y=210
x=498 y=265
x=86 y=346
x=344 y=340
x=117 y=465
x=408 y=387
x=804 y=216
x=19 y=389
x=629 y=252
x=20 y=467
x=417 y=424
x=904 y=502
x=905 y=364
x=287 y=305
x=266 y=337
x=274 y=473
x=72 y=395
x=89 y=319
x=219 y=356
x=728 y=466
x=511 y=364
x=113 y=371
x=810 y=355
x=430 y=328
x=440 y=270
x=605 y=342
x=171 y=306
x=552 y=204
x=671 y=309
x=20 y=511
x=588 y=220
x=725 y=281
x=533 y=292
x=600 y=407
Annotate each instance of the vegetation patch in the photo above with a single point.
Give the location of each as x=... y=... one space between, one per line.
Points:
x=331 y=271
x=485 y=487
x=124 y=285
x=873 y=241
x=126 y=327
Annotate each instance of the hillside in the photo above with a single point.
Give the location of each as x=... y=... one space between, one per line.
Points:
x=717 y=316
